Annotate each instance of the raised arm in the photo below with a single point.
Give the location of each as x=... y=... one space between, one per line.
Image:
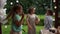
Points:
x=9 y=15
x=37 y=20
x=21 y=21
x=28 y=22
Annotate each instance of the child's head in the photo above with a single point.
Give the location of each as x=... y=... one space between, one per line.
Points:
x=17 y=9
x=49 y=12
x=31 y=10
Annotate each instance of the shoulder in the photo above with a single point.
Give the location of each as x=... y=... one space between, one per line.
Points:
x=35 y=15
x=27 y=15
x=46 y=17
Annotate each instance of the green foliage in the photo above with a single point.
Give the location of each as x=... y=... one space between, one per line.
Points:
x=8 y=29
x=38 y=4
x=41 y=23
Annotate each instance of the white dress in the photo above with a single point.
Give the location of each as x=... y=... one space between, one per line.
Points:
x=31 y=19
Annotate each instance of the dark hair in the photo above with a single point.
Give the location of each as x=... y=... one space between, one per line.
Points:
x=50 y=12
x=13 y=10
x=30 y=9
x=15 y=7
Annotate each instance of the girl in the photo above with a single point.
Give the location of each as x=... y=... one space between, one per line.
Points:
x=48 y=21
x=31 y=20
x=17 y=17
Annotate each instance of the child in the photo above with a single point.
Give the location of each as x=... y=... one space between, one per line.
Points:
x=31 y=20
x=48 y=21
x=17 y=17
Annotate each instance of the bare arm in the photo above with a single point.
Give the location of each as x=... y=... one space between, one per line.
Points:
x=19 y=23
x=37 y=20
x=28 y=23
x=9 y=15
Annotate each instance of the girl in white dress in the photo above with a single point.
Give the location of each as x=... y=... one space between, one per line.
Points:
x=32 y=19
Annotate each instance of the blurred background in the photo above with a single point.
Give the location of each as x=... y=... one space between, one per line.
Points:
x=40 y=5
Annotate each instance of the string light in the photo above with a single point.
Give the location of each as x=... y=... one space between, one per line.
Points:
x=34 y=8
x=54 y=0
x=17 y=1
x=55 y=7
x=11 y=3
x=5 y=26
x=5 y=3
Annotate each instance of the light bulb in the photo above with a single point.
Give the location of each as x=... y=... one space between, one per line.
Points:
x=55 y=7
x=54 y=0
x=17 y=1
x=5 y=26
x=11 y=3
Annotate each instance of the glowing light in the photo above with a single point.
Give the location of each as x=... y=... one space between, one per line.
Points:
x=34 y=8
x=55 y=7
x=17 y=1
x=11 y=3
x=54 y=0
x=5 y=26
x=5 y=3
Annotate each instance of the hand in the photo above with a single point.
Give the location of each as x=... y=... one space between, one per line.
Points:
x=17 y=24
x=37 y=21
x=30 y=27
x=23 y=15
